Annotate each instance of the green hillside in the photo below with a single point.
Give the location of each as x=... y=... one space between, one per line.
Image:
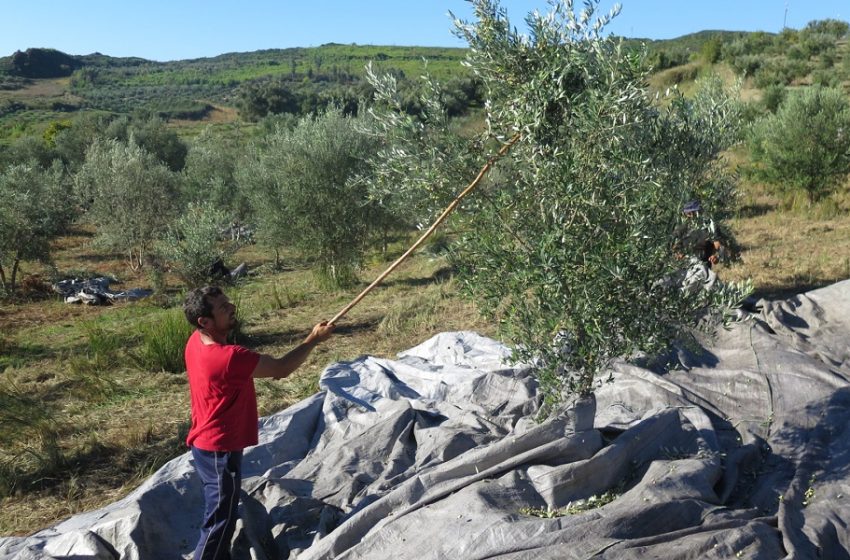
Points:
x=42 y=86
x=39 y=86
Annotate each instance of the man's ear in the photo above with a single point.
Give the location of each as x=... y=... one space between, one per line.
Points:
x=202 y=322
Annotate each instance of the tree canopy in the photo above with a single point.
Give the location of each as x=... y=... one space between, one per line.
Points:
x=35 y=208
x=305 y=192
x=805 y=145
x=571 y=243
x=129 y=195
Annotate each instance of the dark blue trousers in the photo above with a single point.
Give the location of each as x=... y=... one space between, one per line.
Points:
x=221 y=473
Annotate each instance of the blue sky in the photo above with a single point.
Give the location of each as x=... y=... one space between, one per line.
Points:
x=180 y=29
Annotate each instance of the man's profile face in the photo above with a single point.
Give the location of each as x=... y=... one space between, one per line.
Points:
x=223 y=315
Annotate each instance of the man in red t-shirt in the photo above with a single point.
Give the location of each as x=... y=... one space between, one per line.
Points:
x=224 y=407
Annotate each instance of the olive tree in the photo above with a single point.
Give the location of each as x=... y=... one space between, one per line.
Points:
x=306 y=190
x=209 y=174
x=193 y=243
x=154 y=136
x=805 y=145
x=129 y=195
x=571 y=245
x=427 y=141
x=35 y=208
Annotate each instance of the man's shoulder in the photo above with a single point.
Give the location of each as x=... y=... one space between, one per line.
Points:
x=239 y=349
x=193 y=340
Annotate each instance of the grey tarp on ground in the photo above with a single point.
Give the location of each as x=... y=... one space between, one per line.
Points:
x=741 y=450
x=95 y=291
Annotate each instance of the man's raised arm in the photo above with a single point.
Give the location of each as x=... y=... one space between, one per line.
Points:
x=284 y=366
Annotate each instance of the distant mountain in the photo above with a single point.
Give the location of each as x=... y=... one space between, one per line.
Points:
x=40 y=63
x=298 y=80
x=51 y=63
x=693 y=41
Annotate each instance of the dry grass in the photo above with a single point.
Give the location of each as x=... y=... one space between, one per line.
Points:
x=787 y=251
x=48 y=87
x=218 y=115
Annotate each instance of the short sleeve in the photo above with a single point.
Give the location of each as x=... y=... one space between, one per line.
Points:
x=242 y=363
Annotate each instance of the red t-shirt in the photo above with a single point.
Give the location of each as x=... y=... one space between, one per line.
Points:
x=224 y=403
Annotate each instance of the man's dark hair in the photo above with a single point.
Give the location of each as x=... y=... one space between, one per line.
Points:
x=197 y=303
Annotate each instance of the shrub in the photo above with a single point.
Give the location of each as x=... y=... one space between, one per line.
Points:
x=833 y=29
x=780 y=72
x=796 y=52
x=748 y=64
x=28 y=149
x=162 y=342
x=826 y=78
x=755 y=43
x=816 y=118
x=773 y=96
x=711 y=50
x=679 y=74
x=827 y=59
x=192 y=244
x=661 y=59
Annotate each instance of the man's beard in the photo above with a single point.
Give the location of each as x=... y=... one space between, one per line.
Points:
x=232 y=329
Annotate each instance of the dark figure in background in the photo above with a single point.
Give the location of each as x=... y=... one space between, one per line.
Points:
x=696 y=239
x=699 y=238
x=218 y=271
x=224 y=407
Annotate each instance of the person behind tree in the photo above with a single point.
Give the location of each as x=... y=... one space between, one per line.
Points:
x=698 y=240
x=224 y=407
x=697 y=236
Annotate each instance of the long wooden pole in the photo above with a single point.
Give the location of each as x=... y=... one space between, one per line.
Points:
x=431 y=229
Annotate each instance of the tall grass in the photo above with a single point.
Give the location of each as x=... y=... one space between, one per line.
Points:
x=286 y=296
x=162 y=342
x=335 y=277
x=102 y=345
x=89 y=369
